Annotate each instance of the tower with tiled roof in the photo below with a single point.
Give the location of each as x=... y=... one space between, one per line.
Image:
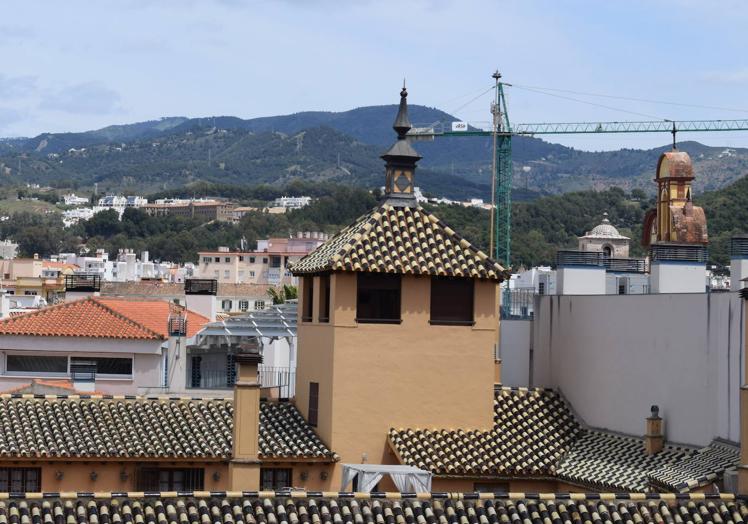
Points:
x=398 y=323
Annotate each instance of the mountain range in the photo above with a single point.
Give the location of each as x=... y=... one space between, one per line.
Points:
x=338 y=147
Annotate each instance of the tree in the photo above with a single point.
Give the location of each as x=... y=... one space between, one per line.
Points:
x=284 y=293
x=104 y=223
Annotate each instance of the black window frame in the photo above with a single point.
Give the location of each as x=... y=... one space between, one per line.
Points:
x=452 y=301
x=29 y=480
x=313 y=411
x=307 y=311
x=102 y=363
x=276 y=479
x=372 y=290
x=324 y=298
x=46 y=359
x=150 y=479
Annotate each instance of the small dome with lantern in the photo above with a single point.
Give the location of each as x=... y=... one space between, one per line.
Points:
x=605 y=238
x=605 y=230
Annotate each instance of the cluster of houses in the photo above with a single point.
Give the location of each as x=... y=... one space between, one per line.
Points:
x=387 y=392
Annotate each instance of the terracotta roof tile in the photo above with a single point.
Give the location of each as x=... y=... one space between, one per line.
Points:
x=533 y=429
x=99 y=317
x=156 y=427
x=537 y=435
x=334 y=508
x=407 y=240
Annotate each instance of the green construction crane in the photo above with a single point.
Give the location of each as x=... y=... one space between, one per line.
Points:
x=502 y=133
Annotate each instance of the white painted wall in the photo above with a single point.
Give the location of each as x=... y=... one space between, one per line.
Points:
x=581 y=280
x=514 y=347
x=678 y=277
x=738 y=271
x=614 y=356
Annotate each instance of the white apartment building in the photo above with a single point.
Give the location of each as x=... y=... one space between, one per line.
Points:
x=119 y=203
x=8 y=250
x=292 y=202
x=74 y=200
x=268 y=264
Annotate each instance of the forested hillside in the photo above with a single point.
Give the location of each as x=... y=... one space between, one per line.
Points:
x=322 y=146
x=539 y=228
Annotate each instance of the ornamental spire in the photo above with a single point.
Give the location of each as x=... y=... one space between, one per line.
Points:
x=401 y=158
x=402 y=123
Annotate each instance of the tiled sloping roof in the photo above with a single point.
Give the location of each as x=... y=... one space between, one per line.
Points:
x=701 y=468
x=262 y=507
x=407 y=240
x=170 y=290
x=617 y=462
x=149 y=427
x=533 y=428
x=285 y=434
x=154 y=314
x=102 y=318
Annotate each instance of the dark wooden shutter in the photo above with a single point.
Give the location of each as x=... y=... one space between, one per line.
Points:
x=313 y=403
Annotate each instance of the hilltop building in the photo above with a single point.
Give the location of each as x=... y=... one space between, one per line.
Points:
x=267 y=265
x=292 y=202
x=201 y=208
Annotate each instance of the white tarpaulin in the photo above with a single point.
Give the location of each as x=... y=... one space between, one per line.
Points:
x=406 y=478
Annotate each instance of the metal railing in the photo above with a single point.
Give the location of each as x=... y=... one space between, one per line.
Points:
x=625 y=265
x=739 y=246
x=85 y=282
x=599 y=259
x=518 y=304
x=200 y=286
x=678 y=253
x=282 y=378
x=210 y=379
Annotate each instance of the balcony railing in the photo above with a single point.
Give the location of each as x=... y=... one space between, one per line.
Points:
x=83 y=282
x=518 y=304
x=598 y=259
x=200 y=286
x=667 y=252
x=281 y=378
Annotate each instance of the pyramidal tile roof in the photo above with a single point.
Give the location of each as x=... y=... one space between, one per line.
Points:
x=98 y=317
x=404 y=240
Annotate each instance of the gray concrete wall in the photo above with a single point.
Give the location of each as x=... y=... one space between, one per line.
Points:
x=614 y=356
x=515 y=352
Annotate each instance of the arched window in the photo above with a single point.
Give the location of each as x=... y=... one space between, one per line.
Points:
x=607 y=251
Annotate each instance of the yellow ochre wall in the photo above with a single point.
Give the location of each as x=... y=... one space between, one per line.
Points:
x=743 y=468
x=376 y=376
x=77 y=474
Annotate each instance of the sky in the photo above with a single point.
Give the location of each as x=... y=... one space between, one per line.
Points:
x=80 y=65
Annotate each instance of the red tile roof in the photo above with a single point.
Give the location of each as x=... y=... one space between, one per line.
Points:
x=102 y=318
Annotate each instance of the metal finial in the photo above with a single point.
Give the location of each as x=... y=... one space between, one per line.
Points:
x=402 y=123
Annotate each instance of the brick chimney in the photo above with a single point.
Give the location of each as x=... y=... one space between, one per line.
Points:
x=654 y=440
x=244 y=468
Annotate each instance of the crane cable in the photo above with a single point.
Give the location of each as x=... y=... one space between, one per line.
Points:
x=633 y=99
x=535 y=90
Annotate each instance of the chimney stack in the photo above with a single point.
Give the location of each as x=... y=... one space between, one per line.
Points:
x=654 y=440
x=200 y=296
x=244 y=468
